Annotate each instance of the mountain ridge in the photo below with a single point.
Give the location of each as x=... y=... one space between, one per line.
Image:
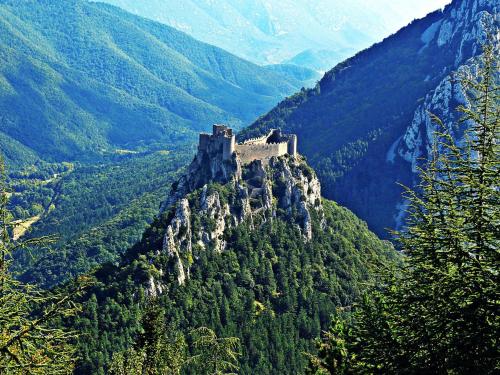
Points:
x=349 y=143
x=75 y=85
x=271 y=32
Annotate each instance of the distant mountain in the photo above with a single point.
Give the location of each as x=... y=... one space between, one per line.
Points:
x=365 y=125
x=296 y=71
x=79 y=79
x=274 y=31
x=319 y=59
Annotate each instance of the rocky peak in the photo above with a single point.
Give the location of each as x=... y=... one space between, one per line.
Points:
x=285 y=187
x=465 y=24
x=207 y=166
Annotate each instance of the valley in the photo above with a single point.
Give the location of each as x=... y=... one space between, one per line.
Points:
x=249 y=187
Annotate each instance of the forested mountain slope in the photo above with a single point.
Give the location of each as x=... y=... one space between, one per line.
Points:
x=261 y=257
x=353 y=124
x=96 y=211
x=79 y=79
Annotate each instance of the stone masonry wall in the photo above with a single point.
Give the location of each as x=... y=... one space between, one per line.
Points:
x=253 y=151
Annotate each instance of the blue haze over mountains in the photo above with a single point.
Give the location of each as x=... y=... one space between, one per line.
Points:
x=81 y=79
x=315 y=34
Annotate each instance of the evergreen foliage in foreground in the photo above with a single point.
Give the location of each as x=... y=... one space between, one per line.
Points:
x=162 y=350
x=31 y=341
x=440 y=315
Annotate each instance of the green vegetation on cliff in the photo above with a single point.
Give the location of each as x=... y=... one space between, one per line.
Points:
x=270 y=287
x=97 y=211
x=439 y=313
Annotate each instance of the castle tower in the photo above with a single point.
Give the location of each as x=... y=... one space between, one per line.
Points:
x=228 y=146
x=292 y=145
x=222 y=144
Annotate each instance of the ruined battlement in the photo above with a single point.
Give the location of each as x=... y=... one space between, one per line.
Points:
x=223 y=141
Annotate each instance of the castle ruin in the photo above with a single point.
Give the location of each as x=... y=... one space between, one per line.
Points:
x=222 y=140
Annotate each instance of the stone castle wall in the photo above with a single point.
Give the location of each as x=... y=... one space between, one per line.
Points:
x=222 y=142
x=263 y=151
x=256 y=141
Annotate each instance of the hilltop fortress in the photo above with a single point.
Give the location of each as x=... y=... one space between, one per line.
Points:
x=223 y=141
x=220 y=158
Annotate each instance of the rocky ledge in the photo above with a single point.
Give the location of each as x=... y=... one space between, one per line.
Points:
x=285 y=188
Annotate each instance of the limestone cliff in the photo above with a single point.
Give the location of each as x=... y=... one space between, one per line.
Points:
x=286 y=187
x=207 y=166
x=468 y=26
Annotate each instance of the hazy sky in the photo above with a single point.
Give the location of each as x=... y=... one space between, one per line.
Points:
x=418 y=8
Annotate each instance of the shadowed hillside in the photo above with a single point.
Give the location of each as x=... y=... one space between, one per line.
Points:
x=363 y=127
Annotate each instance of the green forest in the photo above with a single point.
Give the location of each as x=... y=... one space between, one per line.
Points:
x=126 y=250
x=343 y=303
x=97 y=211
x=79 y=79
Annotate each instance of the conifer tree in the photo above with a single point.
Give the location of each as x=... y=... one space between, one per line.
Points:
x=214 y=355
x=30 y=340
x=161 y=350
x=439 y=314
x=332 y=357
x=446 y=307
x=158 y=350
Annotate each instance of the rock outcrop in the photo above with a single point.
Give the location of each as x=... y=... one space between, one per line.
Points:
x=470 y=23
x=255 y=193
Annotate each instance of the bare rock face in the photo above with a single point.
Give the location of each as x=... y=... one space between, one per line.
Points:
x=468 y=25
x=207 y=166
x=254 y=194
x=302 y=190
x=449 y=94
x=212 y=207
x=177 y=241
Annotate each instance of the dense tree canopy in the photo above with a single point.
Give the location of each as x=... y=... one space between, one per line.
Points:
x=440 y=314
x=31 y=340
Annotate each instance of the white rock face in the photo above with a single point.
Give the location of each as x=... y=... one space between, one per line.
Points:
x=469 y=22
x=302 y=192
x=211 y=207
x=177 y=240
x=466 y=26
x=207 y=166
x=203 y=217
x=449 y=94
